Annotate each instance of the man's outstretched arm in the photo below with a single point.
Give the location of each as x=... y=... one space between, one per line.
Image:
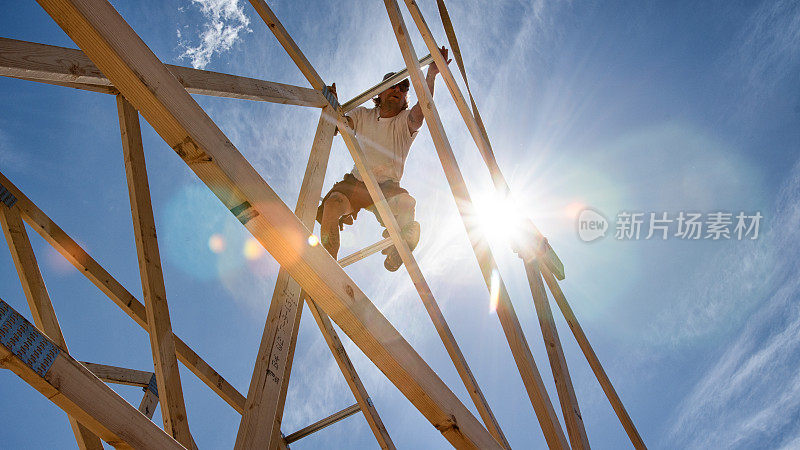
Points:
x=332 y=89
x=415 y=116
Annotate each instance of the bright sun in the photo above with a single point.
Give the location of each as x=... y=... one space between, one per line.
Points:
x=500 y=219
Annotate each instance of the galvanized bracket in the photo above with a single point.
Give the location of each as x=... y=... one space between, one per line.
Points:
x=23 y=340
x=152 y=386
x=7 y=197
x=330 y=98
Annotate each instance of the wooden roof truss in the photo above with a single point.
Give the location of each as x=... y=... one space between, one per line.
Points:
x=114 y=60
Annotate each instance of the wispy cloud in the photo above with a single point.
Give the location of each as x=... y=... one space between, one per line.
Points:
x=225 y=20
x=750 y=398
x=767 y=50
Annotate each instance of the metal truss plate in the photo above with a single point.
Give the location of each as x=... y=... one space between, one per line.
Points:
x=6 y=197
x=153 y=386
x=26 y=342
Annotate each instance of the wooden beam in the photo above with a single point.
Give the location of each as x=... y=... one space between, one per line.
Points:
x=558 y=364
x=366 y=251
x=44 y=315
x=119 y=375
x=370 y=93
x=363 y=400
x=70 y=67
x=72 y=387
x=173 y=409
x=316 y=426
x=92 y=270
x=288 y=44
x=421 y=285
x=505 y=310
x=148 y=404
x=116 y=49
x=594 y=361
x=266 y=396
x=538 y=242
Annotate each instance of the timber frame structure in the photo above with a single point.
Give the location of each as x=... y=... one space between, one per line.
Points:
x=114 y=60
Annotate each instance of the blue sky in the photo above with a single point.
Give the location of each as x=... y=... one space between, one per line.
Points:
x=622 y=106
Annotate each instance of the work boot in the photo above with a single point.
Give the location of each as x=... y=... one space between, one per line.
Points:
x=411 y=234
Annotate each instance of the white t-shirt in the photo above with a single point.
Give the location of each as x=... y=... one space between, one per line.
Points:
x=385 y=142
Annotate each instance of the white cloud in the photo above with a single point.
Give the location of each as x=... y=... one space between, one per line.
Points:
x=225 y=19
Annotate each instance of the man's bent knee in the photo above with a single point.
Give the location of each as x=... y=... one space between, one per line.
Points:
x=401 y=203
x=336 y=205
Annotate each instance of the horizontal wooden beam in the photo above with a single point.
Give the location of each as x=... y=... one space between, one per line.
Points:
x=382 y=86
x=366 y=251
x=316 y=426
x=73 y=388
x=71 y=68
x=92 y=270
x=119 y=52
x=119 y=375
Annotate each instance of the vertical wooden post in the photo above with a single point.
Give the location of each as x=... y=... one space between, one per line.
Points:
x=558 y=364
x=505 y=311
x=173 y=409
x=44 y=316
x=594 y=362
x=268 y=386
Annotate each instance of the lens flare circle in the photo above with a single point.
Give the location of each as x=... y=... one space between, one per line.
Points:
x=216 y=243
x=252 y=249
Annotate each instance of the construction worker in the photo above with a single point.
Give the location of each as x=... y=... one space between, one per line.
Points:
x=385 y=134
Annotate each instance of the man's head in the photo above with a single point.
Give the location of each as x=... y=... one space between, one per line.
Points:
x=395 y=97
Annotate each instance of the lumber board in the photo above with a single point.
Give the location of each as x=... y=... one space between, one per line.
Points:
x=73 y=388
x=366 y=251
x=119 y=375
x=505 y=310
x=558 y=364
x=71 y=68
x=148 y=404
x=370 y=93
x=594 y=361
x=291 y=47
x=117 y=293
x=173 y=408
x=276 y=351
x=115 y=48
x=44 y=315
x=320 y=424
